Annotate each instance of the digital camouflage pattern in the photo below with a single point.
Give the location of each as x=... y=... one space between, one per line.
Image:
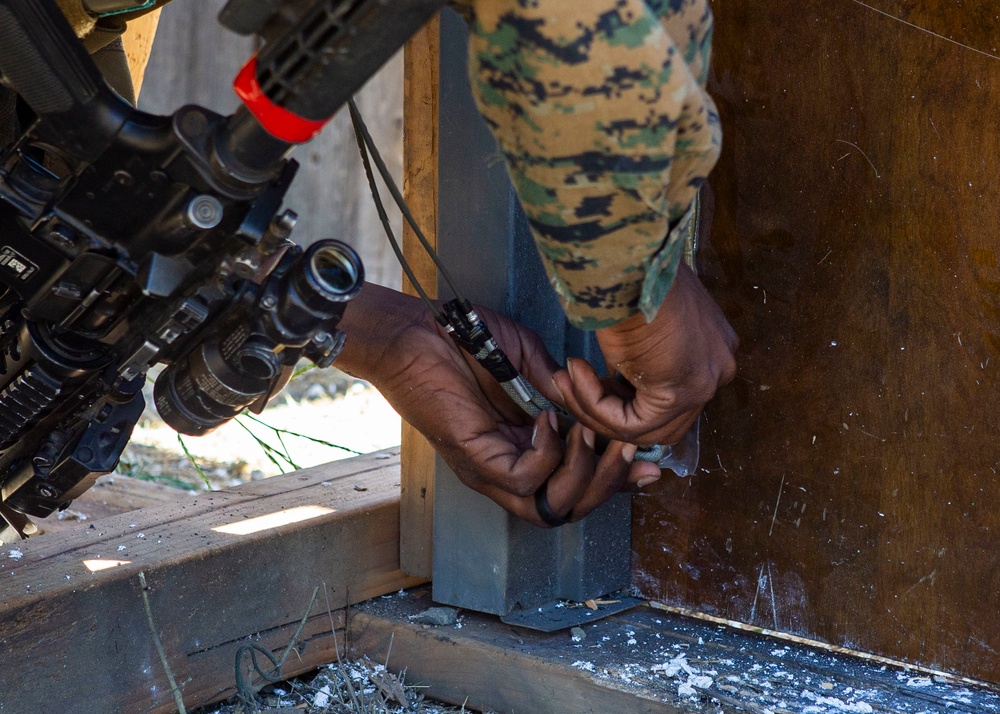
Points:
x=600 y=109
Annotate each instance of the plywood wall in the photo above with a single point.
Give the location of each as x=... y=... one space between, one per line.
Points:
x=849 y=487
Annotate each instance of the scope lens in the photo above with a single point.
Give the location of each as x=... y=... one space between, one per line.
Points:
x=334 y=269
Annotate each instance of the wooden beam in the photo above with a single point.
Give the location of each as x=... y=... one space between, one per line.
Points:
x=420 y=188
x=222 y=569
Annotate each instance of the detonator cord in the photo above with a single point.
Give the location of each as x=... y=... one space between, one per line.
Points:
x=366 y=145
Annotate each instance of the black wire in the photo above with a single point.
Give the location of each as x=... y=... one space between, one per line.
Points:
x=361 y=128
x=245 y=689
x=384 y=218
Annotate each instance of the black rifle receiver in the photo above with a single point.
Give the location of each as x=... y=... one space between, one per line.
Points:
x=128 y=240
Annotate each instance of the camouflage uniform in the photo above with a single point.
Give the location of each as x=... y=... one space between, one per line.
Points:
x=600 y=109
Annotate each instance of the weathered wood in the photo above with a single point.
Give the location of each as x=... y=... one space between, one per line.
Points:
x=420 y=188
x=71 y=636
x=848 y=491
x=643 y=660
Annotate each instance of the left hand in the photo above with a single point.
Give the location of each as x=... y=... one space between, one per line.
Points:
x=492 y=445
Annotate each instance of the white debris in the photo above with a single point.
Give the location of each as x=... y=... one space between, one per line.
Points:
x=140 y=536
x=693 y=684
x=71 y=515
x=675 y=666
x=824 y=704
x=322 y=698
x=121 y=548
x=585 y=666
x=15 y=554
x=919 y=682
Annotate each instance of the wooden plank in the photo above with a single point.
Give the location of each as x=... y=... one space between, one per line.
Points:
x=83 y=635
x=643 y=660
x=420 y=188
x=485 y=665
x=848 y=492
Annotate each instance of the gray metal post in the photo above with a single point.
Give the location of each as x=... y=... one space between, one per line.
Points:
x=484 y=558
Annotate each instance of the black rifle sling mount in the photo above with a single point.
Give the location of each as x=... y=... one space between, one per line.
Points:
x=129 y=240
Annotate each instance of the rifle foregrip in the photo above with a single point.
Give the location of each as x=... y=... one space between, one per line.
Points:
x=41 y=58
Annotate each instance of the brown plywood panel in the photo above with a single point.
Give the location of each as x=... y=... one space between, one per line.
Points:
x=848 y=490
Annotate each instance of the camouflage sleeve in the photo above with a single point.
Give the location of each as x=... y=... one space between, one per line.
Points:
x=600 y=109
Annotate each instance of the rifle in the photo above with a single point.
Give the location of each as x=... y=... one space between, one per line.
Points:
x=129 y=240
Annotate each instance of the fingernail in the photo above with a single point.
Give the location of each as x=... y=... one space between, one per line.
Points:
x=588 y=437
x=628 y=453
x=571 y=368
x=555 y=386
x=646 y=481
x=553 y=420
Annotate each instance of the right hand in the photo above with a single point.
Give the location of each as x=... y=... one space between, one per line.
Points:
x=675 y=363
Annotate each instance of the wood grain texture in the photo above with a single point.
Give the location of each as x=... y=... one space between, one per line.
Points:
x=420 y=188
x=848 y=490
x=489 y=666
x=71 y=636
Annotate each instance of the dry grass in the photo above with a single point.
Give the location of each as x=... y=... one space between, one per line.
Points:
x=347 y=687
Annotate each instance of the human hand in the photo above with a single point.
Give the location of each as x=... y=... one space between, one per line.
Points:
x=492 y=445
x=674 y=365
